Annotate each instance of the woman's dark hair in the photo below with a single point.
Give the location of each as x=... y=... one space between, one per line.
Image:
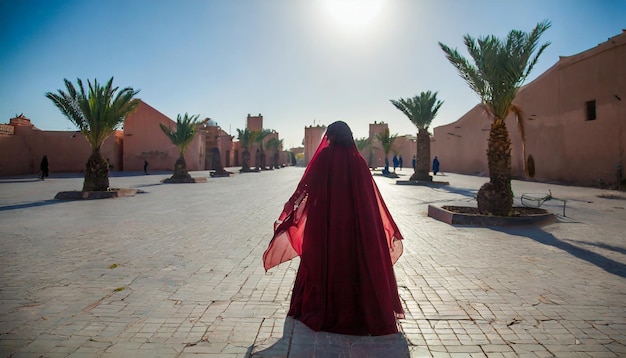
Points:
x=339 y=133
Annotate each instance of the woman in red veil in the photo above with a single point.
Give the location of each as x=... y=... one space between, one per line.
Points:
x=339 y=225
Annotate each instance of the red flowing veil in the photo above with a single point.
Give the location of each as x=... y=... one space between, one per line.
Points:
x=337 y=222
x=290 y=226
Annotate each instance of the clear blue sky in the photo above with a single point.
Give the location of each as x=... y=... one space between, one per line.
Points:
x=298 y=62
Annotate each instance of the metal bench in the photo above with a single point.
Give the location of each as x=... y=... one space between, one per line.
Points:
x=539 y=199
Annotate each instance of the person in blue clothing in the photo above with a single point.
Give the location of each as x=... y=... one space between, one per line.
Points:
x=435 y=165
x=395 y=163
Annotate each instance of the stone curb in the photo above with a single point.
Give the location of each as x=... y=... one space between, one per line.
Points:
x=453 y=218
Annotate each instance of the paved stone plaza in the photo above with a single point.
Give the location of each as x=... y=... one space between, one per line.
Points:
x=176 y=271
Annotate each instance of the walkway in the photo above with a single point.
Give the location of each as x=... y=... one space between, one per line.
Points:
x=176 y=272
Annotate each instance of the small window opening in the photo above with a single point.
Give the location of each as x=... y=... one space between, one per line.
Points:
x=591 y=110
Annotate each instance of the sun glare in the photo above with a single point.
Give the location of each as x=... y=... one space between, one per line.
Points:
x=354 y=15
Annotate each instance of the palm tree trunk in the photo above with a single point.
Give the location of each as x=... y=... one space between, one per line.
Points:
x=96 y=173
x=422 y=164
x=276 y=159
x=496 y=196
x=245 y=159
x=180 y=169
x=263 y=160
x=181 y=175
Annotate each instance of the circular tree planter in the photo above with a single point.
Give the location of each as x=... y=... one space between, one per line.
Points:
x=467 y=215
x=425 y=183
x=91 y=195
x=184 y=180
x=188 y=180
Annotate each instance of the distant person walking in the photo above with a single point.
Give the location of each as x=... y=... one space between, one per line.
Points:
x=435 y=166
x=395 y=163
x=44 y=167
x=145 y=167
x=414 y=162
x=400 y=162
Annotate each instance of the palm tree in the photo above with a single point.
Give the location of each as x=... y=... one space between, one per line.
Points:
x=260 y=161
x=246 y=139
x=365 y=145
x=421 y=110
x=386 y=140
x=499 y=68
x=273 y=146
x=97 y=114
x=186 y=128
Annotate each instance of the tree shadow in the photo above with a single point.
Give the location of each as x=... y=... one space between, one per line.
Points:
x=298 y=340
x=621 y=250
x=125 y=174
x=19 y=180
x=32 y=204
x=469 y=193
x=611 y=266
x=147 y=185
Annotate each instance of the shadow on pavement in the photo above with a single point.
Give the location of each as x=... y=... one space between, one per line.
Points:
x=470 y=193
x=621 y=250
x=146 y=185
x=30 y=205
x=611 y=266
x=124 y=174
x=298 y=340
x=19 y=180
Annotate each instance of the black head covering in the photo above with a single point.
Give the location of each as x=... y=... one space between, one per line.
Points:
x=339 y=133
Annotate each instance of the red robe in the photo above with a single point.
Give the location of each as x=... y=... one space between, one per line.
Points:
x=339 y=225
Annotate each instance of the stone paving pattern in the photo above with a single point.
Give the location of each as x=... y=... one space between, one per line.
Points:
x=176 y=272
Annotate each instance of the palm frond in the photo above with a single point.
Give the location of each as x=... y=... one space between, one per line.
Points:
x=363 y=143
x=386 y=140
x=246 y=137
x=262 y=135
x=98 y=112
x=499 y=67
x=519 y=115
x=421 y=110
x=186 y=128
x=274 y=144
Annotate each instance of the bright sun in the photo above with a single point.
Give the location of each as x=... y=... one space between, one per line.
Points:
x=354 y=15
